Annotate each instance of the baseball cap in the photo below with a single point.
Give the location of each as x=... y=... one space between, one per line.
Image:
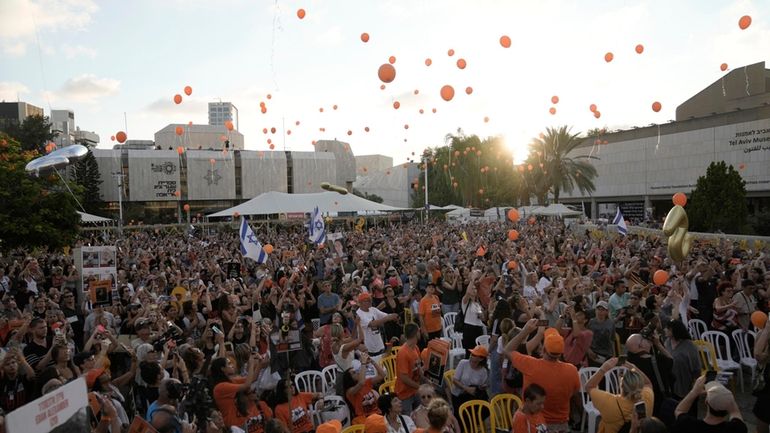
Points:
x=375 y=423
x=718 y=397
x=364 y=297
x=92 y=376
x=554 y=342
x=333 y=426
x=603 y=304
x=480 y=351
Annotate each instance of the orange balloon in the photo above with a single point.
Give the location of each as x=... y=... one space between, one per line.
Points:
x=433 y=110
x=486 y=119
x=236 y=214
x=187 y=90
x=552 y=110
x=513 y=215
x=597 y=114
x=406 y=126
x=505 y=41
x=186 y=207
x=592 y=107
x=428 y=62
x=263 y=110
x=741 y=167
x=177 y=193
x=288 y=132
x=656 y=106
x=660 y=277
x=364 y=37
x=269 y=141
x=639 y=49
x=392 y=59
x=679 y=199
x=744 y=22
x=512 y=265
x=229 y=125
x=387 y=73
x=468 y=90
x=513 y=235
x=554 y=99
x=112 y=138
x=461 y=63
x=301 y=13
x=758 y=319
x=723 y=67
x=272 y=130
x=334 y=107
x=608 y=57
x=272 y=146
x=447 y=92
x=121 y=137
x=179 y=130
x=268 y=249
x=450 y=53
x=177 y=99
x=366 y=129
x=396 y=105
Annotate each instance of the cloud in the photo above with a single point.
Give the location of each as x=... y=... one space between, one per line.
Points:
x=20 y=19
x=71 y=52
x=87 y=88
x=10 y=90
x=189 y=108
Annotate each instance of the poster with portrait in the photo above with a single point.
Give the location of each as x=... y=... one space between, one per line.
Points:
x=97 y=267
x=435 y=364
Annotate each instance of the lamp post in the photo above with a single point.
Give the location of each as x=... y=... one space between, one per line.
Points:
x=427 y=203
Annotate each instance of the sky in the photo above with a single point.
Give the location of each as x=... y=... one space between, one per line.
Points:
x=102 y=59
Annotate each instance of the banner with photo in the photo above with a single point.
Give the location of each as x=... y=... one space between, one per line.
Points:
x=98 y=274
x=60 y=411
x=435 y=364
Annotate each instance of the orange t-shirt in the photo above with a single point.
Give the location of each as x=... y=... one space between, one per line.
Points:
x=224 y=397
x=299 y=420
x=430 y=313
x=407 y=362
x=524 y=423
x=258 y=415
x=559 y=379
x=364 y=401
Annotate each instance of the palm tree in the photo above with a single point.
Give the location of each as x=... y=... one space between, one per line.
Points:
x=554 y=170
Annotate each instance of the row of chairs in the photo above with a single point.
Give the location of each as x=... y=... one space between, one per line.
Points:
x=478 y=416
x=611 y=385
x=717 y=350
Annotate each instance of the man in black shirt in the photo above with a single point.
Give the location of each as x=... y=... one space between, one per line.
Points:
x=16 y=384
x=38 y=350
x=722 y=412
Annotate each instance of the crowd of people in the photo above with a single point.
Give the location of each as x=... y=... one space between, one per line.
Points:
x=190 y=342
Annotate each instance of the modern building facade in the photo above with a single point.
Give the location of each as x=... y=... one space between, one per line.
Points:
x=16 y=112
x=373 y=163
x=220 y=112
x=198 y=137
x=63 y=123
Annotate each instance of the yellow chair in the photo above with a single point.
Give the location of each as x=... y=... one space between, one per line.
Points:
x=355 y=428
x=394 y=350
x=388 y=364
x=708 y=356
x=472 y=417
x=388 y=387
x=503 y=408
x=618 y=350
x=448 y=380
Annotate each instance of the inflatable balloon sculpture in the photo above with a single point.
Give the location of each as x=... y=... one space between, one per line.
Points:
x=55 y=160
x=333 y=188
x=675 y=227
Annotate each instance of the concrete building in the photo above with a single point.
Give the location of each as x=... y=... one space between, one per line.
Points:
x=63 y=123
x=16 y=112
x=219 y=112
x=136 y=144
x=345 y=162
x=393 y=184
x=87 y=138
x=373 y=163
x=199 y=137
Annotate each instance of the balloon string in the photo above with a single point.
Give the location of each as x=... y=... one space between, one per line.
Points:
x=68 y=189
x=724 y=93
x=658 y=144
x=746 y=74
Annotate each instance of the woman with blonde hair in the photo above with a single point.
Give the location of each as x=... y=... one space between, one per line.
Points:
x=617 y=410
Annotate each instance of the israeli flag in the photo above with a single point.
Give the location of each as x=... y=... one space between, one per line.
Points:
x=316 y=231
x=250 y=246
x=621 y=223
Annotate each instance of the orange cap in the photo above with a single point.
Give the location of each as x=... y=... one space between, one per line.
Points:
x=480 y=351
x=365 y=296
x=375 y=423
x=333 y=426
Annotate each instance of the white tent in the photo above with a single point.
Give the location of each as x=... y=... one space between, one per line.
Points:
x=88 y=218
x=556 y=209
x=496 y=213
x=526 y=211
x=328 y=203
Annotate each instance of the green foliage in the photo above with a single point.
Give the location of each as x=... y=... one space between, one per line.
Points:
x=36 y=211
x=86 y=174
x=760 y=223
x=371 y=197
x=33 y=133
x=718 y=201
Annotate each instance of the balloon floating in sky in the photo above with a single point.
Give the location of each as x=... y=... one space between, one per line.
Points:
x=592 y=107
x=177 y=99
x=450 y=53
x=179 y=130
x=597 y=114
x=554 y=99
x=461 y=63
x=58 y=158
x=447 y=93
x=744 y=22
x=679 y=199
x=608 y=57
x=428 y=62
x=387 y=73
x=723 y=67
x=505 y=41
x=364 y=37
x=392 y=60
x=396 y=105
x=469 y=90
x=301 y=13
x=639 y=49
x=656 y=106
x=121 y=137
x=187 y=90
x=180 y=150
x=552 y=110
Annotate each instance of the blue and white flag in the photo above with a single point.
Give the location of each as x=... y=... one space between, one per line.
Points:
x=316 y=231
x=621 y=223
x=250 y=246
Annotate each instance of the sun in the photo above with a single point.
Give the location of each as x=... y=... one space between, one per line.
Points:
x=518 y=143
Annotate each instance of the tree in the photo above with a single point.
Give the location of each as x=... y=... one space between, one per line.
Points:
x=33 y=133
x=86 y=174
x=554 y=170
x=36 y=211
x=371 y=197
x=718 y=201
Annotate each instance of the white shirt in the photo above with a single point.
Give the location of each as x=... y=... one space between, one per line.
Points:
x=530 y=292
x=410 y=426
x=473 y=313
x=542 y=284
x=372 y=337
x=694 y=288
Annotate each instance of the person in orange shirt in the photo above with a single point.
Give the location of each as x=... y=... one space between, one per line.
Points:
x=359 y=390
x=292 y=407
x=559 y=379
x=227 y=386
x=529 y=417
x=430 y=314
x=409 y=370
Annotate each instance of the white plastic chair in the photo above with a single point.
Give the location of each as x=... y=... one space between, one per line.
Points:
x=721 y=343
x=590 y=413
x=696 y=327
x=745 y=354
x=330 y=374
x=483 y=341
x=449 y=324
x=612 y=379
x=310 y=381
x=340 y=411
x=457 y=351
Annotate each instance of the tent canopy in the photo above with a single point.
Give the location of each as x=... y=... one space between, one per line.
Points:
x=88 y=218
x=274 y=202
x=556 y=209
